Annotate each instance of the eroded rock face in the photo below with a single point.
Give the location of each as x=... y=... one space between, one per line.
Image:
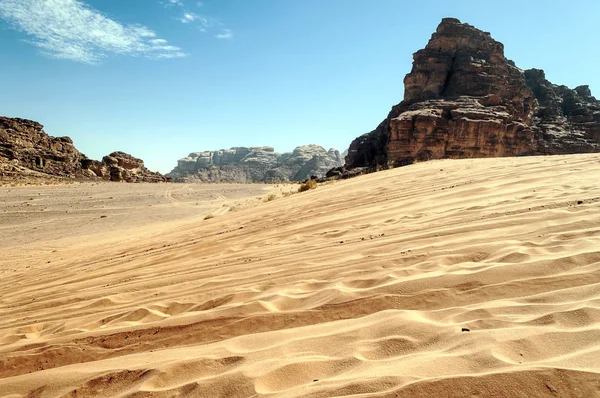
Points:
x=256 y=164
x=25 y=149
x=121 y=166
x=568 y=121
x=464 y=99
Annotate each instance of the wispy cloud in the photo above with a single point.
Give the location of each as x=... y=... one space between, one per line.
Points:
x=170 y=3
x=201 y=22
x=188 y=17
x=225 y=34
x=70 y=29
x=204 y=23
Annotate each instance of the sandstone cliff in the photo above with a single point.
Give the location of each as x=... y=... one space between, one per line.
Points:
x=256 y=164
x=26 y=150
x=464 y=99
x=25 y=147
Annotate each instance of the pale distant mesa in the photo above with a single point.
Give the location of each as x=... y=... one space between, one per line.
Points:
x=256 y=164
x=462 y=99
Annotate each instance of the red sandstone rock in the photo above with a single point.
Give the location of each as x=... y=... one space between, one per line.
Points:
x=120 y=166
x=464 y=99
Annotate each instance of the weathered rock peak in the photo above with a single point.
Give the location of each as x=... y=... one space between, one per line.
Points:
x=463 y=98
x=461 y=60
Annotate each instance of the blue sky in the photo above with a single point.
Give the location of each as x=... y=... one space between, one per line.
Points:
x=162 y=78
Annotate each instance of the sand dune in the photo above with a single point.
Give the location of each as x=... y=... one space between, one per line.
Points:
x=454 y=278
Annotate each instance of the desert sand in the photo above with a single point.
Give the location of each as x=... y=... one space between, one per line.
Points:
x=451 y=278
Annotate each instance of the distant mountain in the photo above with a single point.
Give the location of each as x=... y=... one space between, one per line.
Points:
x=26 y=150
x=256 y=164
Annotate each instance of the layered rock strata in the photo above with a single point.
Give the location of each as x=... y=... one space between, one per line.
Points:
x=464 y=99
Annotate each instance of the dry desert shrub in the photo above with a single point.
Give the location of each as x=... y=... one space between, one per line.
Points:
x=270 y=197
x=310 y=184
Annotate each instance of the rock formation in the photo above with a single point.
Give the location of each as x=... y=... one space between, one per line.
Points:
x=464 y=99
x=568 y=121
x=26 y=150
x=256 y=164
x=25 y=147
x=120 y=166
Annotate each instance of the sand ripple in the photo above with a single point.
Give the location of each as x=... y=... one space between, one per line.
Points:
x=470 y=278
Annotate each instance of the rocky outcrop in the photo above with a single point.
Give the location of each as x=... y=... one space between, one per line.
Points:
x=26 y=150
x=568 y=121
x=120 y=166
x=464 y=99
x=256 y=164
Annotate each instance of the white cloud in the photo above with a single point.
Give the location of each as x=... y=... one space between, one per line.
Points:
x=170 y=3
x=202 y=22
x=225 y=34
x=188 y=17
x=69 y=29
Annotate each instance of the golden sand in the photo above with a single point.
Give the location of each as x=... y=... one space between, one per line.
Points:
x=453 y=278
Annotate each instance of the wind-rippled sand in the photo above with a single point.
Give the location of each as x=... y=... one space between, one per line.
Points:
x=457 y=278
